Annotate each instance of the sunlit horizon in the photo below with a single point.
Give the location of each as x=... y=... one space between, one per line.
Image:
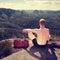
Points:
x=31 y=4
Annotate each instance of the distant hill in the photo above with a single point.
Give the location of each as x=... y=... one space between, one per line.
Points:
x=19 y=19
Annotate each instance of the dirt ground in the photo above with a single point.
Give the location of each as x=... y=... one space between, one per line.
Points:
x=34 y=53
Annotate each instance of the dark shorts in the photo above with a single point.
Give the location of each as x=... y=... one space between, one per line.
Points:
x=36 y=44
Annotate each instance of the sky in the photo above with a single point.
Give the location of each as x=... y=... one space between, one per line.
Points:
x=30 y=4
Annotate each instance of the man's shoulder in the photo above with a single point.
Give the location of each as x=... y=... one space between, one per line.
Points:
x=36 y=29
x=47 y=29
x=44 y=29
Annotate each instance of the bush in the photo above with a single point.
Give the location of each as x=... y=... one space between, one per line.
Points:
x=5 y=49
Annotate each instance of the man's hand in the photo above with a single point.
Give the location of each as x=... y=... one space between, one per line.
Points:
x=24 y=30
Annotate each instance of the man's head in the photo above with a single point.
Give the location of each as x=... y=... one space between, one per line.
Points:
x=42 y=22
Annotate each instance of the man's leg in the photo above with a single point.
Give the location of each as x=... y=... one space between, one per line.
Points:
x=31 y=35
x=35 y=42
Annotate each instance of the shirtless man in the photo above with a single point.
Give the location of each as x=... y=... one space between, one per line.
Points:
x=42 y=34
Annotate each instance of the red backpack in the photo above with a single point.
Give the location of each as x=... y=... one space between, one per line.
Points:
x=21 y=44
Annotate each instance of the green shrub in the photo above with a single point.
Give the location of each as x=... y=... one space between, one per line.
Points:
x=5 y=49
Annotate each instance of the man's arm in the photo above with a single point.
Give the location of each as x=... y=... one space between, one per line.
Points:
x=30 y=33
x=26 y=30
x=29 y=30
